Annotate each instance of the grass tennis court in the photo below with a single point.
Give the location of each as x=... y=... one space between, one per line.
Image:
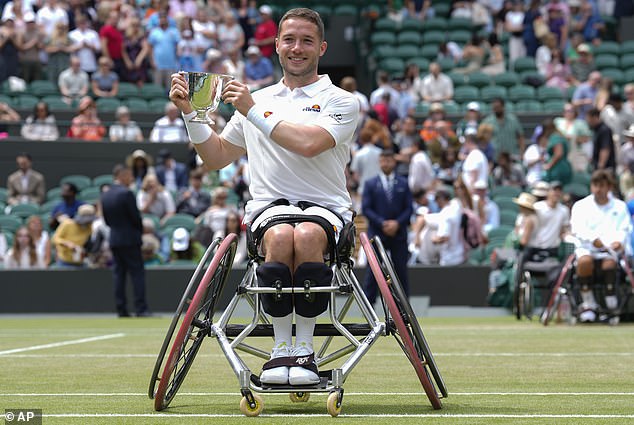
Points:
x=96 y=370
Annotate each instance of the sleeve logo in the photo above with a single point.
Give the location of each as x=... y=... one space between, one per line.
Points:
x=267 y=114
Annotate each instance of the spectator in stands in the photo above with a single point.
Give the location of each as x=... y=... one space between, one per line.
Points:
x=448 y=168
x=514 y=24
x=135 y=54
x=473 y=53
x=86 y=125
x=73 y=82
x=628 y=106
x=428 y=130
x=557 y=166
x=583 y=65
x=164 y=39
x=184 y=247
x=383 y=83
x=484 y=137
x=105 y=82
x=385 y=111
x=233 y=225
x=230 y=34
x=471 y=120
x=487 y=210
x=71 y=236
x=7 y=115
x=586 y=93
x=141 y=165
x=50 y=14
x=544 y=54
x=98 y=248
x=450 y=49
x=578 y=134
x=17 y=9
x=508 y=134
x=25 y=185
x=436 y=86
x=112 y=41
x=584 y=20
x=234 y=65
x=183 y=8
x=3 y=248
x=40 y=125
x=533 y=160
x=526 y=222
x=153 y=198
x=495 y=64
x=406 y=144
x=193 y=200
x=615 y=117
x=475 y=167
x=85 y=44
x=531 y=15
x=9 y=48
x=558 y=23
x=381 y=135
x=124 y=129
x=204 y=29
x=122 y=216
x=150 y=246
x=41 y=238
x=606 y=87
x=349 y=84
x=248 y=16
x=23 y=255
x=421 y=174
x=603 y=154
x=365 y=161
x=216 y=215
x=171 y=174
x=554 y=221
x=67 y=207
x=265 y=32
x=78 y=8
x=31 y=44
x=214 y=62
x=170 y=127
x=188 y=50
x=626 y=165
x=438 y=234
x=558 y=73
x=258 y=69
x=58 y=47
x=507 y=172
x=387 y=204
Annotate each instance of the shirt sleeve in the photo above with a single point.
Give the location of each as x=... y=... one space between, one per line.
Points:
x=234 y=130
x=339 y=118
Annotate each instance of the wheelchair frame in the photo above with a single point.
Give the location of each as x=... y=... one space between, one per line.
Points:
x=203 y=293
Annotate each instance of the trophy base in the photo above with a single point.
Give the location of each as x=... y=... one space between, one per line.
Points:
x=202 y=118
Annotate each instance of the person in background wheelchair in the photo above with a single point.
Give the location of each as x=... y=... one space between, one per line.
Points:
x=553 y=223
x=297 y=134
x=602 y=224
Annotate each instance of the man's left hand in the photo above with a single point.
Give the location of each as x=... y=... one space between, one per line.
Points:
x=390 y=227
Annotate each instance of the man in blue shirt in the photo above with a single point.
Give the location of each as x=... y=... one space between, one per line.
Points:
x=67 y=207
x=164 y=40
x=258 y=70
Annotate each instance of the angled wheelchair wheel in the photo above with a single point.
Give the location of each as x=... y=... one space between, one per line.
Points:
x=563 y=281
x=518 y=297
x=525 y=296
x=194 y=326
x=408 y=331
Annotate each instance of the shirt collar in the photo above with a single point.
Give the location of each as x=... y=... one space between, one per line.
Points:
x=310 y=90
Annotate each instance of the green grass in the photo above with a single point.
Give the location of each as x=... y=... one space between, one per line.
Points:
x=498 y=371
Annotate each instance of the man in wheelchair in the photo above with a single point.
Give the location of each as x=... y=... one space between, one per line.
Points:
x=297 y=134
x=602 y=225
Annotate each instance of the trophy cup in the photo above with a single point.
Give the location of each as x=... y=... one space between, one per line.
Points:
x=205 y=90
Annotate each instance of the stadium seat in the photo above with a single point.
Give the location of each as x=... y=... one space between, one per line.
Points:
x=457 y=79
x=606 y=61
x=529 y=106
x=4 y=194
x=464 y=94
x=627 y=47
x=577 y=189
x=8 y=100
x=460 y=24
x=409 y=24
x=158 y=105
x=489 y=93
x=383 y=51
x=442 y=8
x=10 y=223
x=627 y=61
x=380 y=38
x=101 y=180
x=553 y=106
x=24 y=210
x=54 y=194
x=41 y=88
x=406 y=52
x=107 y=104
x=345 y=10
x=435 y=24
x=459 y=36
x=155 y=219
x=409 y=37
x=500 y=232
x=506 y=79
x=180 y=220
x=136 y=105
x=152 y=91
x=531 y=77
x=451 y=108
x=521 y=93
x=429 y=51
x=48 y=206
x=89 y=194
x=507 y=217
x=25 y=101
x=385 y=24
x=606 y=47
x=324 y=10
x=421 y=109
x=479 y=79
x=433 y=37
x=392 y=65
x=504 y=191
x=629 y=75
x=581 y=178
x=127 y=90
x=78 y=180
x=616 y=75
x=506 y=204
x=446 y=64
x=423 y=64
x=525 y=63
x=546 y=93
x=55 y=103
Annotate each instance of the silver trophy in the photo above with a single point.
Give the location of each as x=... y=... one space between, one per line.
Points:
x=205 y=90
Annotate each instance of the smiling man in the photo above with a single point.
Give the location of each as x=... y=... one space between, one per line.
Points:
x=297 y=134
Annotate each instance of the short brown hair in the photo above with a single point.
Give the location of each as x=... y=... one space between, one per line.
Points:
x=600 y=176
x=306 y=14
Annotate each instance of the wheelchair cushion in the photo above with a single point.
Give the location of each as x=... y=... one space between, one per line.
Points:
x=542 y=267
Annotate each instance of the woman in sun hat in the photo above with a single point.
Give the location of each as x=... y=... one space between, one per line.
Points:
x=526 y=220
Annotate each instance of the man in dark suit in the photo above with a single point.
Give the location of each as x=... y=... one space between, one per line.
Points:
x=173 y=175
x=122 y=215
x=387 y=204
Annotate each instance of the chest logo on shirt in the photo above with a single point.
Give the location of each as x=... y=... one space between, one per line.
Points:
x=267 y=114
x=314 y=108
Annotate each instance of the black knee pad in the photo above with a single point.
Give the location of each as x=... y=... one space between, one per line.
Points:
x=609 y=277
x=312 y=274
x=276 y=275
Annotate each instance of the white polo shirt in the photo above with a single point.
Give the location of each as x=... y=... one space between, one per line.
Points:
x=279 y=173
x=609 y=223
x=551 y=222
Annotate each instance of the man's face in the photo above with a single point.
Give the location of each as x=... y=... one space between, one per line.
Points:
x=592 y=120
x=67 y=193
x=23 y=163
x=409 y=126
x=126 y=177
x=387 y=163
x=554 y=194
x=299 y=47
x=498 y=108
x=600 y=191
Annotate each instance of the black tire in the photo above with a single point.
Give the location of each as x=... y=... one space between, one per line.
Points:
x=517 y=292
x=564 y=278
x=195 y=325
x=408 y=331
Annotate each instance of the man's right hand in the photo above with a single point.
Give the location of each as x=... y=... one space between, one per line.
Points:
x=179 y=93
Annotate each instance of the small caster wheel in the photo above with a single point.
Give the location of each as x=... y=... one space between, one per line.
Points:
x=333 y=405
x=249 y=410
x=299 y=397
x=614 y=320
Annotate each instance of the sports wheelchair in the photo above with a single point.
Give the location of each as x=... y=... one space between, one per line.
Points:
x=195 y=319
x=564 y=302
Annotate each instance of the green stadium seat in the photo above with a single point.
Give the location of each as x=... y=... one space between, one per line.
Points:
x=500 y=232
x=525 y=63
x=324 y=10
x=429 y=51
x=457 y=79
x=421 y=109
x=127 y=90
x=101 y=180
x=616 y=75
x=26 y=101
x=628 y=75
x=442 y=9
x=392 y=65
x=606 y=61
x=577 y=189
x=526 y=76
x=466 y=93
x=506 y=79
x=465 y=24
x=380 y=38
x=607 y=47
x=78 y=180
x=8 y=100
x=406 y=52
x=554 y=106
x=56 y=104
x=627 y=47
x=489 y=93
x=521 y=93
x=41 y=88
x=385 y=24
x=180 y=220
x=446 y=64
x=434 y=37
x=409 y=37
x=581 y=178
x=89 y=194
x=546 y=93
x=152 y=91
x=107 y=104
x=4 y=194
x=345 y=10
x=459 y=36
x=409 y=24
x=506 y=203
x=451 y=108
x=136 y=105
x=24 y=210
x=423 y=64
x=435 y=24
x=479 y=79
x=155 y=219
x=10 y=223
x=158 y=105
x=627 y=61
x=504 y=191
x=476 y=256
x=54 y=194
x=383 y=51
x=507 y=217
x=529 y=106
x=48 y=206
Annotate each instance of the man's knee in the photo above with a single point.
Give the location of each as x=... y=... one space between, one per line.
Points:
x=276 y=275
x=585 y=266
x=278 y=241
x=308 y=236
x=307 y=275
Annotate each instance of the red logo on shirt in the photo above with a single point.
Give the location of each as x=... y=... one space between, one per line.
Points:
x=267 y=114
x=314 y=108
